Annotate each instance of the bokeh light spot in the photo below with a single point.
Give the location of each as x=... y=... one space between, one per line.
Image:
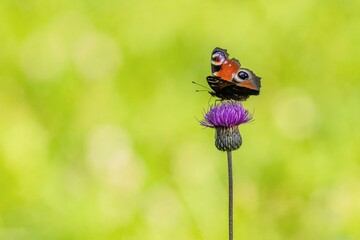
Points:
x=43 y=56
x=113 y=160
x=97 y=57
x=295 y=114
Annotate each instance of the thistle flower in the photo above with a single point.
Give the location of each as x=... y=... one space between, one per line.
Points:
x=225 y=118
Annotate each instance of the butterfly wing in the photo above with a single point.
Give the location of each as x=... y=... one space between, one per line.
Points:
x=222 y=66
x=229 y=80
x=247 y=79
x=218 y=57
x=224 y=89
x=217 y=84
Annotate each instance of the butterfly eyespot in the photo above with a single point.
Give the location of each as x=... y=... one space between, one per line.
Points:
x=243 y=75
x=218 y=58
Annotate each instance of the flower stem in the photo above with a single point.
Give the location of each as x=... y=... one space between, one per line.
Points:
x=229 y=157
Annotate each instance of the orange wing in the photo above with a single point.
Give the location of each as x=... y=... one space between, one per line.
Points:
x=228 y=69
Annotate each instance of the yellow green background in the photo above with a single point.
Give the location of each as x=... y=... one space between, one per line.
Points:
x=99 y=137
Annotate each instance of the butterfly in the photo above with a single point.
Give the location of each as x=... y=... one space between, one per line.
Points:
x=229 y=81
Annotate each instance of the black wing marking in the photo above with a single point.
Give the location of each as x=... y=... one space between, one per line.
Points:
x=226 y=90
x=217 y=84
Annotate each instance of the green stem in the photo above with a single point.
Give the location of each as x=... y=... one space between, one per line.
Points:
x=229 y=157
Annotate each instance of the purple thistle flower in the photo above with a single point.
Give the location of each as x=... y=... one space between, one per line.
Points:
x=226 y=114
x=225 y=118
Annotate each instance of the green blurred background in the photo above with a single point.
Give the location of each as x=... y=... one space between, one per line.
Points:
x=99 y=132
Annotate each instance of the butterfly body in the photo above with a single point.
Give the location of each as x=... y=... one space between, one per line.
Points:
x=229 y=81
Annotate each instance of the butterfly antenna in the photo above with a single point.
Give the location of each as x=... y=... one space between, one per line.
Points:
x=201 y=85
